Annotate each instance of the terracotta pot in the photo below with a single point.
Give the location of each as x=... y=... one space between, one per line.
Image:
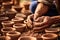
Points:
x=20 y=15
x=52 y=30
x=26 y=12
x=7 y=5
x=7 y=24
x=26 y=5
x=4 y=38
x=11 y=14
x=6 y=30
x=19 y=27
x=18 y=8
x=2 y=19
x=18 y=20
x=38 y=29
x=27 y=38
x=49 y=36
x=13 y=35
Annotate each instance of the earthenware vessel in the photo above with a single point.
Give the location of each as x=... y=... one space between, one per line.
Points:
x=19 y=27
x=52 y=30
x=7 y=24
x=49 y=36
x=14 y=35
x=6 y=30
x=18 y=20
x=27 y=38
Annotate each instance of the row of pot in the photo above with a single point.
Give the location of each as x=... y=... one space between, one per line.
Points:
x=16 y=36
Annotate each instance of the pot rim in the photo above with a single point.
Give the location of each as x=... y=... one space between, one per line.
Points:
x=17 y=19
x=54 y=36
x=32 y=38
x=52 y=31
x=17 y=33
x=19 y=25
x=7 y=22
x=13 y=29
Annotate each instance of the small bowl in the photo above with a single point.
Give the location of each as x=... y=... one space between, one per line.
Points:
x=17 y=20
x=20 y=15
x=52 y=30
x=14 y=35
x=27 y=38
x=19 y=27
x=4 y=38
x=6 y=30
x=7 y=23
x=49 y=36
x=3 y=19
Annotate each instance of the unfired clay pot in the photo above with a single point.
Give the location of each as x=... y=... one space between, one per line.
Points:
x=18 y=8
x=13 y=35
x=27 y=38
x=4 y=38
x=6 y=30
x=49 y=36
x=7 y=5
x=7 y=24
x=19 y=27
x=20 y=15
x=52 y=30
x=18 y=20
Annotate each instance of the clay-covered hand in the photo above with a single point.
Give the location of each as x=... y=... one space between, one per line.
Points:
x=29 y=21
x=45 y=21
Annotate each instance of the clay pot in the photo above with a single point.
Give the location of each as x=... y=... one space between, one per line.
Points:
x=19 y=27
x=38 y=29
x=26 y=12
x=52 y=30
x=11 y=14
x=4 y=38
x=49 y=36
x=7 y=24
x=6 y=30
x=18 y=8
x=26 y=5
x=7 y=5
x=18 y=20
x=3 y=19
x=20 y=15
x=27 y=38
x=13 y=35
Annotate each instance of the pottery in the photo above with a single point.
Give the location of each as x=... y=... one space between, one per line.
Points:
x=6 y=30
x=18 y=8
x=4 y=38
x=18 y=20
x=7 y=5
x=27 y=38
x=38 y=29
x=19 y=27
x=3 y=19
x=52 y=30
x=11 y=14
x=20 y=15
x=14 y=35
x=7 y=24
x=49 y=36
